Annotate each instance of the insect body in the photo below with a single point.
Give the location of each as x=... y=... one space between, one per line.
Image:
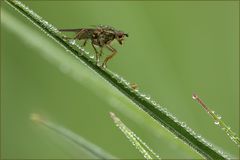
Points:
x=100 y=36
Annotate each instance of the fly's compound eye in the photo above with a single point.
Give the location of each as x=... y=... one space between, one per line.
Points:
x=120 y=36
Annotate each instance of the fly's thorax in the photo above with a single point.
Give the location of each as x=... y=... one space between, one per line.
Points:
x=108 y=38
x=102 y=38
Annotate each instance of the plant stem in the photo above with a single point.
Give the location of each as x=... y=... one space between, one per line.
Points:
x=218 y=121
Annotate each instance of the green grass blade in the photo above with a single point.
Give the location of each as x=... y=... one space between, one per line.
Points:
x=141 y=146
x=144 y=102
x=66 y=133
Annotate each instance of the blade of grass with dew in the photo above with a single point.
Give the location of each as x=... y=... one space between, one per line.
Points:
x=218 y=121
x=141 y=100
x=141 y=146
x=80 y=141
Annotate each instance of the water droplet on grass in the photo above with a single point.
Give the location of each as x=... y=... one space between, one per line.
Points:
x=148 y=97
x=72 y=42
x=183 y=124
x=216 y=122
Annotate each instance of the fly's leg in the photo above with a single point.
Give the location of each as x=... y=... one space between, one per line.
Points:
x=100 y=53
x=97 y=57
x=79 y=34
x=114 y=51
x=84 y=43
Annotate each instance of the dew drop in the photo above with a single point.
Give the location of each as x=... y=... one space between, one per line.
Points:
x=219 y=117
x=153 y=102
x=120 y=80
x=183 y=124
x=45 y=22
x=216 y=122
x=72 y=41
x=115 y=76
x=127 y=83
x=148 y=97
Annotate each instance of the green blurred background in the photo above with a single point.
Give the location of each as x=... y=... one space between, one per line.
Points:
x=174 y=49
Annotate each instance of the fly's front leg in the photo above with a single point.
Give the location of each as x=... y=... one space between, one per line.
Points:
x=97 y=57
x=114 y=51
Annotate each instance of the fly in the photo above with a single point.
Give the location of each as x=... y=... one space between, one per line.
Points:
x=100 y=36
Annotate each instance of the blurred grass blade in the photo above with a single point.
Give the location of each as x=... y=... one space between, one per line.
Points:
x=80 y=141
x=141 y=146
x=144 y=102
x=218 y=121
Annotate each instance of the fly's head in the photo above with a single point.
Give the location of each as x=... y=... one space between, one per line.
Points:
x=119 y=36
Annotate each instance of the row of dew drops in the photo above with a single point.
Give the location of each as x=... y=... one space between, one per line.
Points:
x=134 y=139
x=233 y=136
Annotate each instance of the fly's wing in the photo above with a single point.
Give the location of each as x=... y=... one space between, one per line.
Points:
x=81 y=33
x=71 y=30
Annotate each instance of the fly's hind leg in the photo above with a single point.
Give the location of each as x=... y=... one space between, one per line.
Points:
x=114 y=51
x=97 y=55
x=84 y=43
x=101 y=51
x=80 y=34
